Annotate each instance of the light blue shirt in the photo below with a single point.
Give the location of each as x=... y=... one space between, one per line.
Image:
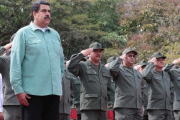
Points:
x=37 y=61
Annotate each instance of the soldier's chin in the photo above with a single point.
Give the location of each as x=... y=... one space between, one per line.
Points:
x=98 y=58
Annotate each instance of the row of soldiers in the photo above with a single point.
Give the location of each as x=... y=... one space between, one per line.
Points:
x=134 y=92
x=92 y=84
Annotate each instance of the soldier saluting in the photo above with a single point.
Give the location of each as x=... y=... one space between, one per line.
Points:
x=95 y=82
x=159 y=85
x=128 y=81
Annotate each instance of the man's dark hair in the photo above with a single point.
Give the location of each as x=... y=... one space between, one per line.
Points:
x=36 y=5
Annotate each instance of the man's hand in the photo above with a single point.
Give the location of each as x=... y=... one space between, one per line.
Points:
x=137 y=67
x=60 y=98
x=86 y=52
x=175 y=62
x=123 y=56
x=1 y=116
x=153 y=60
x=22 y=98
x=143 y=110
x=8 y=46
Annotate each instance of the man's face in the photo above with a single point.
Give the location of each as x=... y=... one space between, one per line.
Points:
x=159 y=62
x=43 y=16
x=96 y=55
x=130 y=59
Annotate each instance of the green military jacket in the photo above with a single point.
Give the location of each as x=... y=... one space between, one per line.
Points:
x=174 y=72
x=66 y=99
x=158 y=88
x=145 y=97
x=128 y=86
x=76 y=92
x=95 y=87
x=112 y=93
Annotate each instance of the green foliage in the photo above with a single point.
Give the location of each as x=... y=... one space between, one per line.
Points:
x=150 y=25
x=14 y=15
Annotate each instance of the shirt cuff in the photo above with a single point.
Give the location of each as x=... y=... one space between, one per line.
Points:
x=18 y=90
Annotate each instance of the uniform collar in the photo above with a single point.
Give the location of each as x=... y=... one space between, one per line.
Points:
x=126 y=69
x=89 y=64
x=34 y=27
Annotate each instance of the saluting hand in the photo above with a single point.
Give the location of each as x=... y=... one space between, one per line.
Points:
x=123 y=56
x=137 y=67
x=175 y=62
x=153 y=60
x=86 y=52
x=22 y=98
x=8 y=46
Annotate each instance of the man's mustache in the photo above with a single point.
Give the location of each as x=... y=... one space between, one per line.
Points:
x=47 y=17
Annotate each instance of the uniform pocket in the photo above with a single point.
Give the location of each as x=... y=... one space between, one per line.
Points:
x=106 y=77
x=92 y=75
x=33 y=46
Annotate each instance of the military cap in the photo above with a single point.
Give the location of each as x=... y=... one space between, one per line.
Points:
x=96 y=45
x=111 y=59
x=127 y=50
x=158 y=55
x=143 y=62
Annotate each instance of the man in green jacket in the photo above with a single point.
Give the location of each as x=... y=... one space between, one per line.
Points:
x=95 y=82
x=66 y=98
x=159 y=83
x=128 y=81
x=174 y=72
x=112 y=94
x=140 y=67
x=75 y=81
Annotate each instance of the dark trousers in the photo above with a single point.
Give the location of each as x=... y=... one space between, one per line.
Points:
x=41 y=108
x=64 y=116
x=145 y=117
x=159 y=114
x=93 y=115
x=128 y=114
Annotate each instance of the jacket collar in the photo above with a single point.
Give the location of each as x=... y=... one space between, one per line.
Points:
x=34 y=27
x=89 y=63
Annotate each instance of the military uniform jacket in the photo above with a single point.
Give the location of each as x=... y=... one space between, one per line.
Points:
x=66 y=99
x=128 y=86
x=8 y=94
x=76 y=92
x=145 y=97
x=174 y=72
x=158 y=88
x=95 y=87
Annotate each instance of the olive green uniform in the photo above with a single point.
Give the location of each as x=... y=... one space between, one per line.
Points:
x=145 y=97
x=174 y=72
x=66 y=99
x=112 y=94
x=159 y=99
x=76 y=94
x=128 y=94
x=95 y=87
